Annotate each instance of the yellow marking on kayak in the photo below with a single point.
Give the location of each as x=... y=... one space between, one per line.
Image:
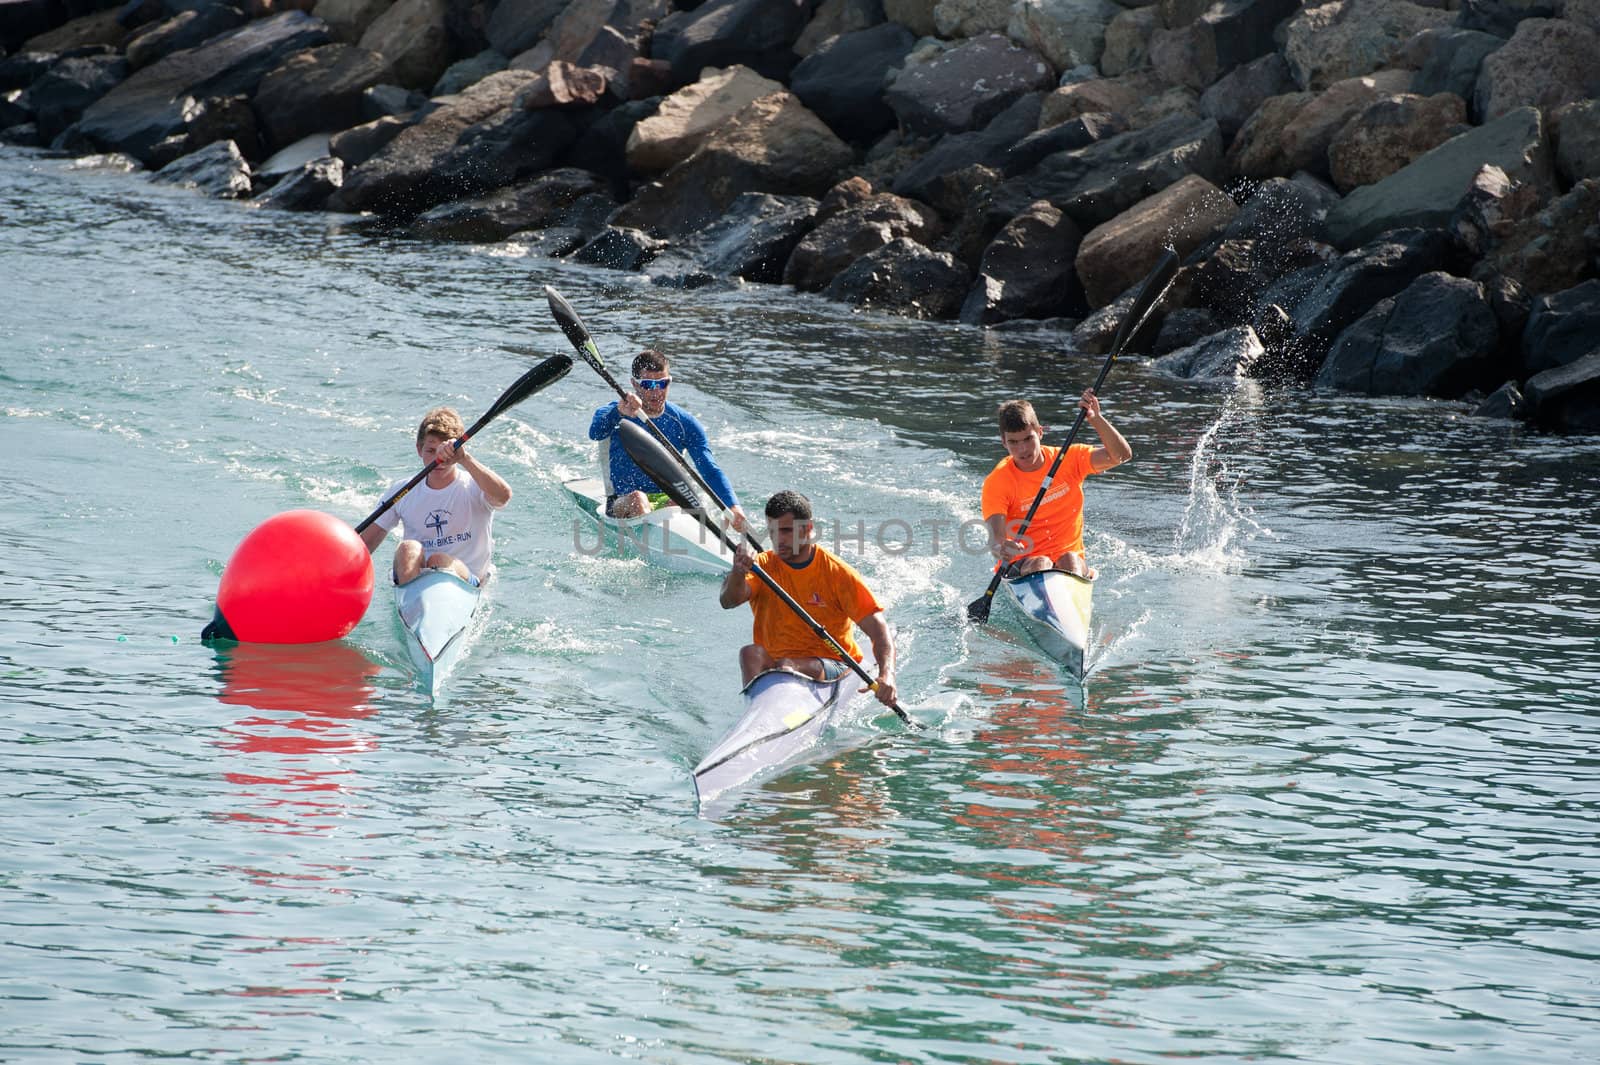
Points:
x=795 y=718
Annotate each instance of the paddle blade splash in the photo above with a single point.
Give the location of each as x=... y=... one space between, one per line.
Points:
x=299 y=577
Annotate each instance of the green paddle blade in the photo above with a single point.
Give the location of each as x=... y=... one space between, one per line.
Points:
x=660 y=466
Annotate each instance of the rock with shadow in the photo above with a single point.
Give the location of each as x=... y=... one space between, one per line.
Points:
x=751 y=242
x=842 y=81
x=904 y=278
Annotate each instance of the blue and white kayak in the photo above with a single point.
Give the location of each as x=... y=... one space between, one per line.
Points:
x=667 y=537
x=784 y=716
x=1054 y=606
x=436 y=611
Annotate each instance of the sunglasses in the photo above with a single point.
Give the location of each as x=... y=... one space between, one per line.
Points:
x=653 y=385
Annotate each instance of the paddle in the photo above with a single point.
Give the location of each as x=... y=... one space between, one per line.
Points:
x=655 y=461
x=540 y=377
x=578 y=334
x=1155 y=285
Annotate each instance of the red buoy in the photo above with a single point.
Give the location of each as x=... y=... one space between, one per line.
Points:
x=299 y=577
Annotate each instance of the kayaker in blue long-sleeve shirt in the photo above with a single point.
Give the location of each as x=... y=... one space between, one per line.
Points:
x=629 y=490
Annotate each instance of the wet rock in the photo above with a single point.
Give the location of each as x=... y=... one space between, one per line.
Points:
x=1096 y=333
x=1549 y=250
x=905 y=278
x=414 y=38
x=1546 y=64
x=1438 y=337
x=464 y=73
x=1451 y=60
x=842 y=81
x=1097 y=183
x=967 y=86
x=685 y=119
x=1224 y=37
x=1577 y=131
x=1504 y=402
x=1283 y=211
x=505 y=148
x=1567 y=399
x=957 y=151
x=602 y=146
x=218 y=169
x=1080 y=132
x=752 y=241
x=1224 y=356
x=834 y=18
x=556 y=242
x=1182 y=327
x=23 y=69
x=1127 y=43
x=186 y=29
x=14 y=110
x=1426 y=191
x=620 y=248
x=1562 y=328
x=156 y=103
x=1119 y=252
x=848 y=228
x=1347 y=38
x=533 y=204
x=772 y=145
x=1028 y=270
x=1501 y=17
x=317 y=90
x=1241 y=92
x=1068 y=33
x=306 y=189
x=759 y=34
x=516 y=25
x=1231 y=281
x=23 y=135
x=359 y=143
x=1391 y=132
x=60 y=96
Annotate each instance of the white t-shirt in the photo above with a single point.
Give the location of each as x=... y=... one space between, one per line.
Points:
x=457 y=520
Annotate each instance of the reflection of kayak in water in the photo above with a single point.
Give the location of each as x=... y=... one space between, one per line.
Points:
x=784 y=715
x=1054 y=606
x=436 y=611
x=666 y=537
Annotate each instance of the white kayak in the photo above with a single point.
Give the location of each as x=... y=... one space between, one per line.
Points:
x=784 y=715
x=1054 y=606
x=436 y=612
x=667 y=537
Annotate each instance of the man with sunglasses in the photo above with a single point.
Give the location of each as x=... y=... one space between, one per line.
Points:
x=629 y=490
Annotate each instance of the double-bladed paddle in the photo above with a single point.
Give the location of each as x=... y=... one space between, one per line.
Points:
x=654 y=460
x=540 y=377
x=567 y=318
x=1155 y=285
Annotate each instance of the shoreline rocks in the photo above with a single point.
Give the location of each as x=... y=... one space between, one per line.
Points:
x=1379 y=196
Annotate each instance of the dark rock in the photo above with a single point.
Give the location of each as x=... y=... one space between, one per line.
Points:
x=467 y=72
x=1225 y=36
x=215 y=118
x=1500 y=17
x=1437 y=337
x=517 y=25
x=1577 y=132
x=383 y=101
x=1543 y=250
x=1562 y=328
x=1546 y=64
x=307 y=189
x=1504 y=402
x=292 y=158
x=14 y=110
x=1183 y=327
x=186 y=29
x=135 y=13
x=1567 y=399
x=359 y=143
x=957 y=151
x=1239 y=94
x=60 y=96
x=905 y=278
x=154 y=103
x=1453 y=60
x=648 y=77
x=759 y=34
x=1097 y=183
x=846 y=234
x=218 y=169
x=967 y=86
x=620 y=249
x=507 y=147
x=1232 y=279
x=535 y=204
x=752 y=241
x=842 y=81
x=1096 y=333
x=1224 y=356
x=552 y=243
x=835 y=18
x=23 y=135
x=1027 y=271
x=1067 y=136
x=1284 y=211
x=318 y=90
x=602 y=146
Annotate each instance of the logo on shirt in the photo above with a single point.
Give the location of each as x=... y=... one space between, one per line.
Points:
x=437 y=521
x=815 y=600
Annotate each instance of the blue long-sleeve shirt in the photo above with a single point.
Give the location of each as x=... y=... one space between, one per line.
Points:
x=623 y=475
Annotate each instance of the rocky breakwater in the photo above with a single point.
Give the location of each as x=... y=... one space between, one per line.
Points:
x=1377 y=196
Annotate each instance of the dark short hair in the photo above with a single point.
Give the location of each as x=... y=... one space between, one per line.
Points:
x=1016 y=415
x=792 y=504
x=649 y=361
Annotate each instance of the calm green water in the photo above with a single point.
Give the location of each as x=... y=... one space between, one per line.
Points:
x=1329 y=795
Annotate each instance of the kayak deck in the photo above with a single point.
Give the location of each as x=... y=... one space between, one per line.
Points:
x=436 y=612
x=784 y=715
x=666 y=537
x=1055 y=606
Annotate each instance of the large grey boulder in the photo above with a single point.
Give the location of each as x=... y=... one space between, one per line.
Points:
x=620 y=248
x=956 y=151
x=759 y=34
x=1501 y=17
x=1117 y=253
x=216 y=170
x=677 y=127
x=1241 y=92
x=1451 y=61
x=1069 y=136
x=1562 y=328
x=1342 y=39
x=1028 y=270
x=516 y=25
x=1549 y=249
x=1068 y=33
x=320 y=89
x=1127 y=41
x=1283 y=211
x=1232 y=278
x=1097 y=183
x=1577 y=132
x=842 y=81
x=905 y=278
x=1221 y=357
x=967 y=86
x=158 y=102
x=63 y=92
x=752 y=242
x=1227 y=35
x=186 y=29
x=1547 y=63
x=1389 y=133
x=1567 y=399
x=1437 y=337
x=413 y=37
x=357 y=144
x=1426 y=191
x=533 y=204
x=845 y=233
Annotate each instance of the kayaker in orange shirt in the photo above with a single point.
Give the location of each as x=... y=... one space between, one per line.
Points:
x=829 y=589
x=1054 y=539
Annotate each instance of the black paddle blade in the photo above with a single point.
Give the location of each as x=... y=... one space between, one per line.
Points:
x=537 y=379
x=978 y=609
x=573 y=327
x=661 y=467
x=1150 y=293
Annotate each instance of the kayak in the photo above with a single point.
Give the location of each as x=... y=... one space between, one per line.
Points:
x=667 y=537
x=1054 y=606
x=436 y=612
x=784 y=715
